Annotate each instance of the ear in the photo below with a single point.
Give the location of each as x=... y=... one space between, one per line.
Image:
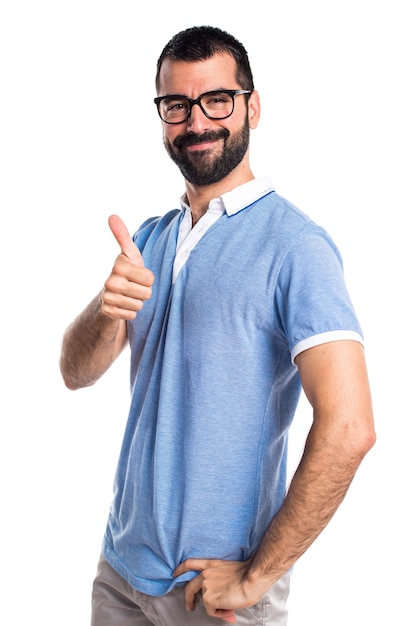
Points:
x=254 y=109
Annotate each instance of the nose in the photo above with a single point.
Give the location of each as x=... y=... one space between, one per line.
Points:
x=197 y=121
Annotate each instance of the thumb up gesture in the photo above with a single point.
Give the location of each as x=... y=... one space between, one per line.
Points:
x=130 y=282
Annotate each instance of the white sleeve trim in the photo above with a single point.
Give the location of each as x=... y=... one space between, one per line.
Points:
x=317 y=340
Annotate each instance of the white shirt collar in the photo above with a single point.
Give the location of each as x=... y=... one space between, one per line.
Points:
x=239 y=198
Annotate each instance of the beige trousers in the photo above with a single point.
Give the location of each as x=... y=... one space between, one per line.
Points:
x=116 y=603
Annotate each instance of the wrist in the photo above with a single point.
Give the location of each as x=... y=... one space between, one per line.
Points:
x=262 y=576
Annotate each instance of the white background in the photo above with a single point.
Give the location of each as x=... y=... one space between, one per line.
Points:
x=79 y=140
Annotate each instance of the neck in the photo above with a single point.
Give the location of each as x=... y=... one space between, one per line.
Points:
x=199 y=196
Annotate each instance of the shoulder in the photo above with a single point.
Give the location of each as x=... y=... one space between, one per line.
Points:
x=155 y=226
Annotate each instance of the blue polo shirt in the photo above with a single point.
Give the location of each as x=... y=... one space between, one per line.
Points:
x=202 y=469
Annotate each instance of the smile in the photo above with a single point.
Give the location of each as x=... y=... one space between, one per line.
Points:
x=205 y=145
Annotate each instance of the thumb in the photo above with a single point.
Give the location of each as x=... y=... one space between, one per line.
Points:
x=122 y=236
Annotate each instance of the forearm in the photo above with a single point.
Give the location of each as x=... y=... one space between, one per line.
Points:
x=315 y=493
x=89 y=346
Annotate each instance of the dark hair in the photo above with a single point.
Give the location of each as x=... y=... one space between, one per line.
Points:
x=202 y=42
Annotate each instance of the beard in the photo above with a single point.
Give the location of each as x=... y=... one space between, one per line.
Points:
x=202 y=168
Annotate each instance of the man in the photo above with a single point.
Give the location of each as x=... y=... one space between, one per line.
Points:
x=229 y=305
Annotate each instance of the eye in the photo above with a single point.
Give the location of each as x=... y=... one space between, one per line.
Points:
x=175 y=106
x=217 y=101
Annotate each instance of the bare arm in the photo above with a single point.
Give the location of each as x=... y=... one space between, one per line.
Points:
x=335 y=381
x=98 y=335
x=90 y=345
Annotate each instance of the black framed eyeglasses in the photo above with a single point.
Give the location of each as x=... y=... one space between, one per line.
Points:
x=216 y=105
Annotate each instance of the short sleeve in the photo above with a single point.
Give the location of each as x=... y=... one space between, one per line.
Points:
x=313 y=303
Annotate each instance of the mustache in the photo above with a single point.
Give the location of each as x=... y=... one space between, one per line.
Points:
x=191 y=139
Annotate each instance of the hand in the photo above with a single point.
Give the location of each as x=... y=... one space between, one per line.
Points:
x=223 y=585
x=130 y=282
